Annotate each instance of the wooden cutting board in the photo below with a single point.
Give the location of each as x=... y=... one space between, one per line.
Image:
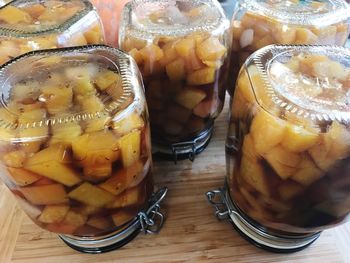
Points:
x=191 y=232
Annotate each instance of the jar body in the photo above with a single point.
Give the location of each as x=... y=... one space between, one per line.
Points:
x=109 y=12
x=184 y=75
x=254 y=29
x=85 y=171
x=79 y=26
x=287 y=174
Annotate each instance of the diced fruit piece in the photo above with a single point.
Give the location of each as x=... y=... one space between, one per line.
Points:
x=14 y=158
x=251 y=169
x=56 y=171
x=34 y=10
x=184 y=46
x=285 y=34
x=93 y=35
x=98 y=123
x=193 y=63
x=128 y=123
x=13 y=15
x=176 y=69
x=136 y=56
x=130 y=197
x=65 y=133
x=57 y=152
x=87 y=209
x=91 y=195
x=96 y=148
x=288 y=190
x=170 y=53
x=57 y=99
x=247 y=38
x=22 y=92
x=45 y=195
x=151 y=53
x=284 y=162
x=130 y=147
x=53 y=213
x=267 y=131
x=211 y=49
x=100 y=222
x=106 y=79
x=97 y=171
x=331 y=70
x=201 y=77
x=91 y=104
x=22 y=177
x=74 y=219
x=122 y=217
x=298 y=139
x=263 y=42
x=178 y=113
x=122 y=178
x=305 y=36
x=236 y=29
x=190 y=97
x=43 y=181
x=307 y=172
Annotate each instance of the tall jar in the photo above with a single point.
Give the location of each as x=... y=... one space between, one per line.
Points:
x=256 y=24
x=109 y=11
x=181 y=48
x=75 y=145
x=27 y=25
x=288 y=145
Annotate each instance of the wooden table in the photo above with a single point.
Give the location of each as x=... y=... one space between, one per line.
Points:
x=191 y=233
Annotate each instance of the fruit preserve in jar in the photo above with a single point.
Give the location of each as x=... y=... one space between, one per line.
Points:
x=32 y=25
x=109 y=11
x=181 y=48
x=288 y=145
x=75 y=144
x=258 y=23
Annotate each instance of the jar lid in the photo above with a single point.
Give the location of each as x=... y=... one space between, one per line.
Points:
x=148 y=18
x=31 y=17
x=303 y=12
x=308 y=81
x=92 y=85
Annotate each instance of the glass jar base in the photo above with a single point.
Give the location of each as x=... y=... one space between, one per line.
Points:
x=103 y=244
x=187 y=149
x=273 y=242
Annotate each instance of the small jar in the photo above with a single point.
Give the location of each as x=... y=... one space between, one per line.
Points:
x=181 y=48
x=32 y=25
x=109 y=11
x=75 y=145
x=256 y=24
x=288 y=145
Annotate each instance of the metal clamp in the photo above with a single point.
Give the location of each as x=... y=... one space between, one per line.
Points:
x=188 y=147
x=152 y=219
x=218 y=199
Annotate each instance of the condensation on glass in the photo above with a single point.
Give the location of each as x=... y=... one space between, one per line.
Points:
x=36 y=24
x=259 y=23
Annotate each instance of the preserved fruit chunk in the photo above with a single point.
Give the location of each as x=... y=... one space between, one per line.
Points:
x=53 y=213
x=12 y=15
x=267 y=131
x=190 y=97
x=14 y=158
x=130 y=146
x=122 y=217
x=130 y=197
x=298 y=139
x=211 y=49
x=100 y=222
x=128 y=124
x=22 y=177
x=73 y=218
x=201 y=77
x=91 y=195
x=106 y=79
x=57 y=99
x=176 y=70
x=307 y=172
x=45 y=195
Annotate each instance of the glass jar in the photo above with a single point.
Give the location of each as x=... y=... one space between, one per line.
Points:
x=4 y=2
x=256 y=24
x=75 y=144
x=32 y=25
x=109 y=11
x=288 y=145
x=181 y=48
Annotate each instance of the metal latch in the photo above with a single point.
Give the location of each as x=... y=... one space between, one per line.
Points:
x=217 y=198
x=152 y=219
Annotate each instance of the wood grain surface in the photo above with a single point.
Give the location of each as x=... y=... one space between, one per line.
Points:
x=191 y=232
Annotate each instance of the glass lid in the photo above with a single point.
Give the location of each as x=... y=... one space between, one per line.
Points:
x=301 y=12
x=308 y=81
x=173 y=17
x=22 y=17
x=91 y=86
